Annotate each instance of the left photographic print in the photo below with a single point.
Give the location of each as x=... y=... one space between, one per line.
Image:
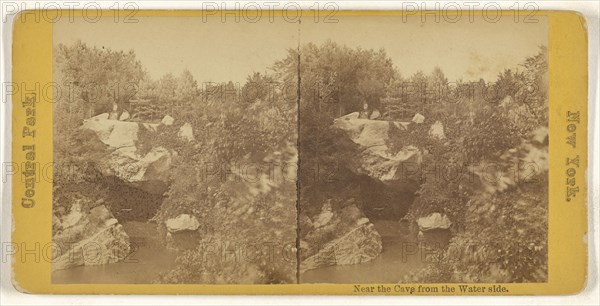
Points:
x=175 y=151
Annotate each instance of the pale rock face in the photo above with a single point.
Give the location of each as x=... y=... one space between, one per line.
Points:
x=124 y=116
x=350 y=116
x=508 y=101
x=113 y=133
x=186 y=132
x=418 y=118
x=437 y=130
x=374 y=158
x=123 y=134
x=540 y=135
x=73 y=217
x=325 y=216
x=101 y=125
x=362 y=221
x=183 y=222
x=91 y=238
x=354 y=241
x=148 y=172
x=375 y=115
x=434 y=221
x=167 y=120
x=103 y=116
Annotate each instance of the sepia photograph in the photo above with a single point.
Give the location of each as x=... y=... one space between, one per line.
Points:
x=176 y=152
x=423 y=150
x=363 y=149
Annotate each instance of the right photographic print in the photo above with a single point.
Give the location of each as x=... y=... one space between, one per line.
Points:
x=423 y=150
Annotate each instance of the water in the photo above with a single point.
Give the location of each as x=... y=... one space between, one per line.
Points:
x=401 y=255
x=148 y=259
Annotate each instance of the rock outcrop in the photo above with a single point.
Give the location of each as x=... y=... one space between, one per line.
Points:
x=182 y=232
x=374 y=157
x=183 y=222
x=148 y=172
x=186 y=132
x=433 y=221
x=91 y=237
x=342 y=237
x=418 y=118
x=167 y=120
x=124 y=116
x=437 y=131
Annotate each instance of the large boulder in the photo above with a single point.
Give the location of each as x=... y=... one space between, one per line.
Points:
x=167 y=120
x=88 y=237
x=149 y=172
x=124 y=116
x=340 y=237
x=186 y=132
x=418 y=118
x=182 y=232
x=183 y=222
x=373 y=157
x=433 y=221
x=437 y=130
x=112 y=132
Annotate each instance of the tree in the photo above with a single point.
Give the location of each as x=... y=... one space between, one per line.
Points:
x=97 y=77
x=258 y=87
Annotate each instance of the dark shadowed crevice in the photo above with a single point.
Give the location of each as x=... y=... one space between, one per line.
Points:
x=128 y=203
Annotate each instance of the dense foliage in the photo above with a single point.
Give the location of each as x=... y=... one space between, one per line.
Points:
x=239 y=179
x=238 y=175
x=90 y=80
x=502 y=236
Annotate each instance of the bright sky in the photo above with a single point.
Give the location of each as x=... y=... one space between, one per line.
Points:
x=216 y=51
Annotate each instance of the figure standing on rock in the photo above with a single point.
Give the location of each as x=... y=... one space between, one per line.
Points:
x=365 y=113
x=368 y=113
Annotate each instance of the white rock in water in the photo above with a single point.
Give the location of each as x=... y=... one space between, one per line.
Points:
x=186 y=132
x=434 y=221
x=418 y=118
x=183 y=222
x=167 y=120
x=437 y=130
x=124 y=116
